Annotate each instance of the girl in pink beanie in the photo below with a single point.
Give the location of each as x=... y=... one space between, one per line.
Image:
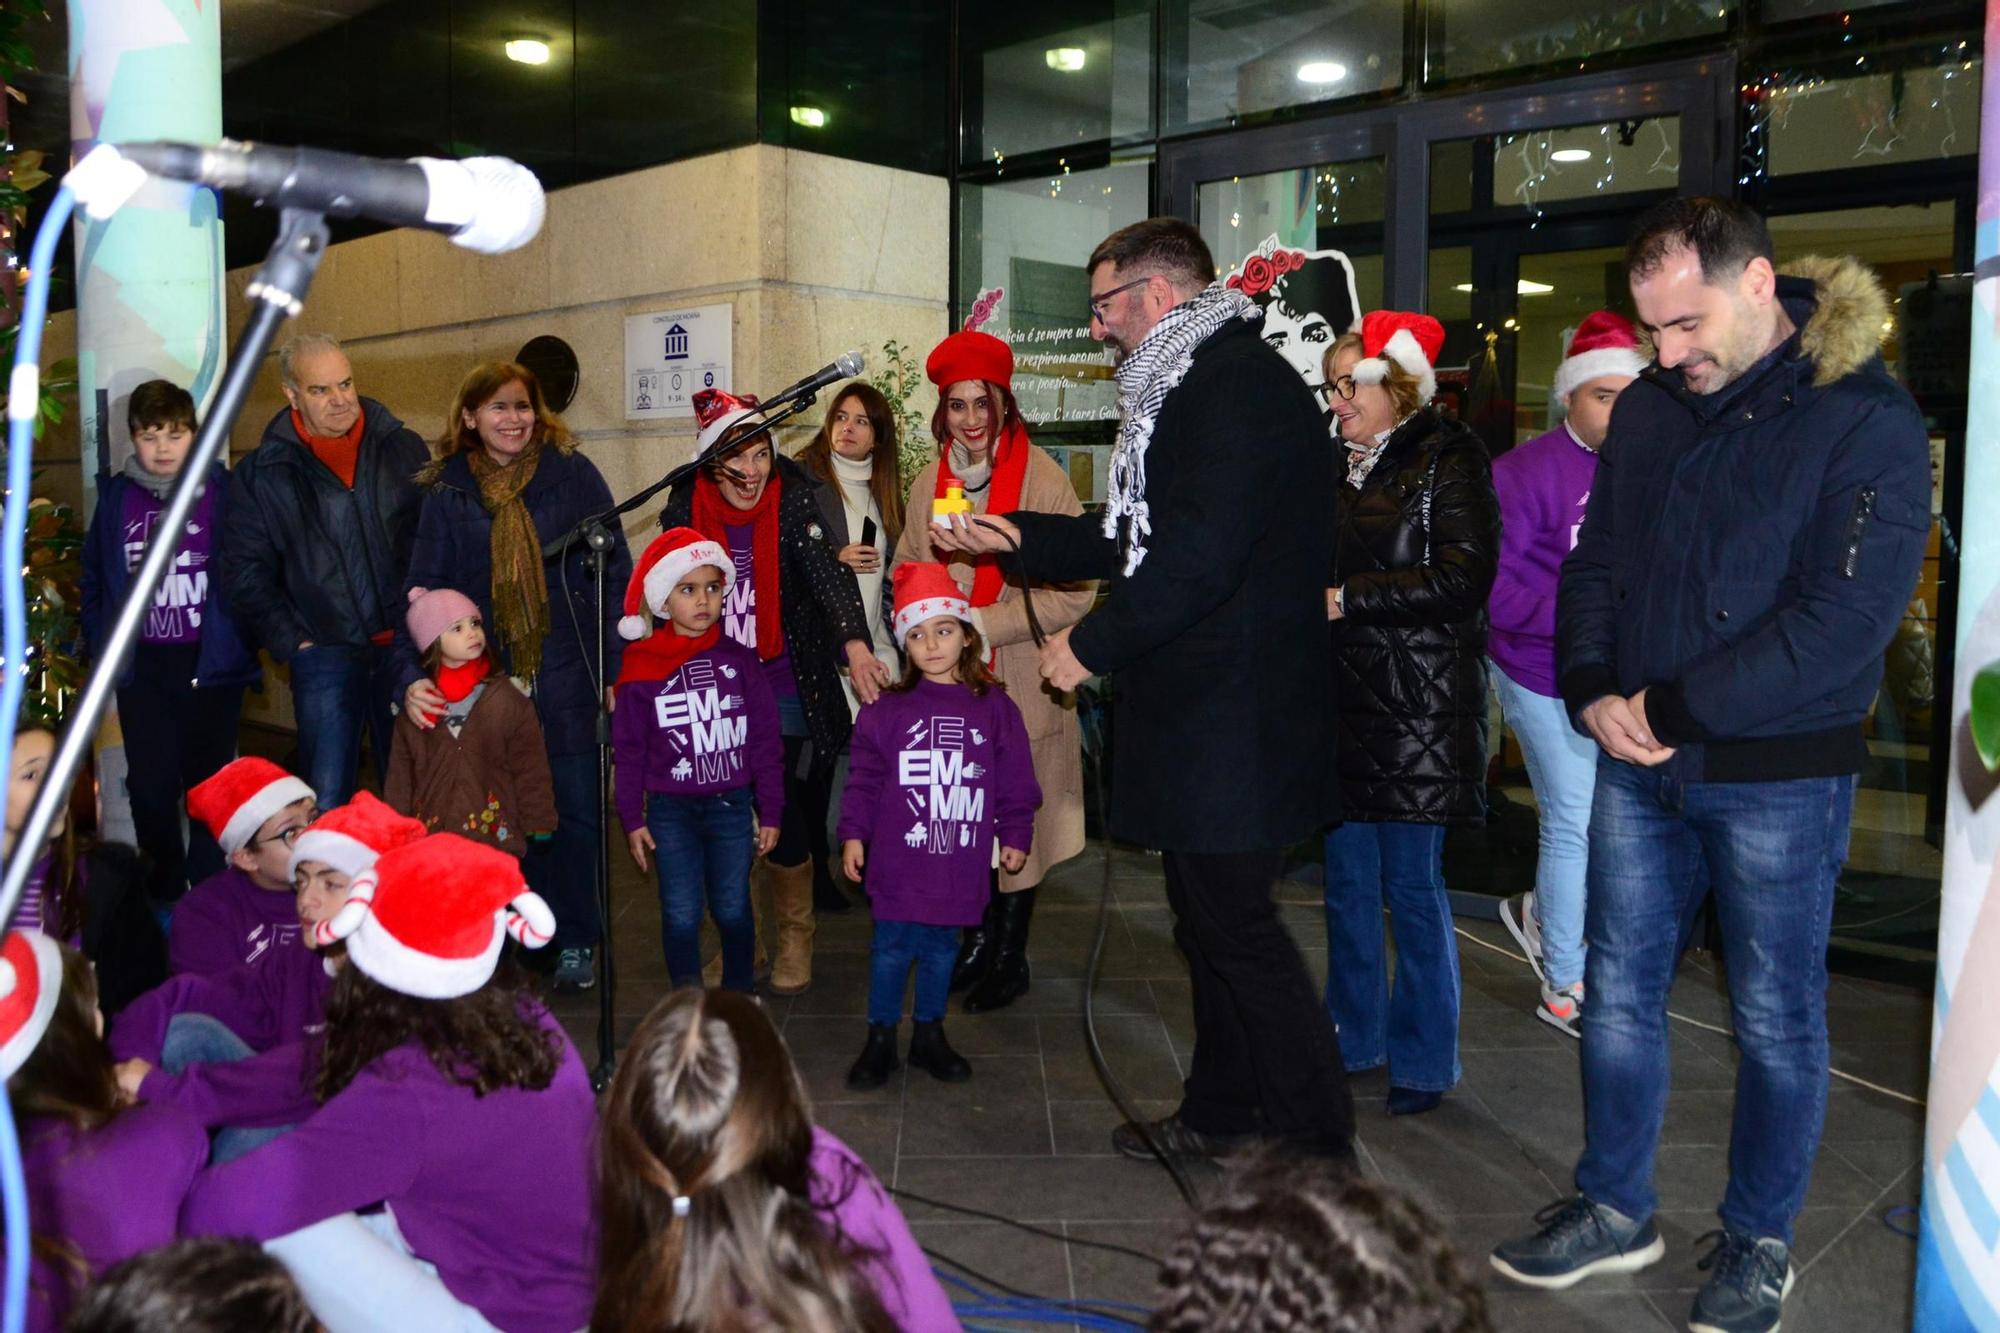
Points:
x=478 y=767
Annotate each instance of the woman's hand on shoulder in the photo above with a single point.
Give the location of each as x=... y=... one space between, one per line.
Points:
x=423 y=701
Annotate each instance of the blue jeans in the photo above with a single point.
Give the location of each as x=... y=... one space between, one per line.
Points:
x=1415 y=1029
x=1773 y=851
x=702 y=849
x=1562 y=767
x=197 y=1039
x=563 y=870
x=337 y=694
x=898 y=944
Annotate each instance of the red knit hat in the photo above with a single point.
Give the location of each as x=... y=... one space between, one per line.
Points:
x=716 y=410
x=30 y=984
x=350 y=837
x=1604 y=344
x=663 y=564
x=427 y=919
x=435 y=610
x=923 y=590
x=1409 y=339
x=971 y=355
x=241 y=796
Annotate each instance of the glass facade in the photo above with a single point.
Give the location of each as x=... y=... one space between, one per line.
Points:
x=1229 y=61
x=1053 y=76
x=1474 y=37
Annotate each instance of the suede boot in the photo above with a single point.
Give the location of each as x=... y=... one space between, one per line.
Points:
x=877 y=1060
x=1006 y=979
x=931 y=1052
x=792 y=910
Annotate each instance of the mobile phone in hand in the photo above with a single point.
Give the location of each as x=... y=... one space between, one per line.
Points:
x=868 y=531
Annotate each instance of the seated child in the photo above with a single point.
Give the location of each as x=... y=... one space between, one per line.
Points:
x=940 y=788
x=105 y=1181
x=717 y=1193
x=445 y=1094
x=698 y=753
x=255 y=810
x=195 y=1286
x=480 y=767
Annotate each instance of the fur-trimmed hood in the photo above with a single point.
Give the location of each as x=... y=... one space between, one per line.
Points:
x=1845 y=329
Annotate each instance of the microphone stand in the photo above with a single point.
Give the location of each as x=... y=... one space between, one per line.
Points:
x=598 y=535
x=277 y=293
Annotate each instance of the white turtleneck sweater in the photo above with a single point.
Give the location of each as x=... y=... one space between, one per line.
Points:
x=859 y=503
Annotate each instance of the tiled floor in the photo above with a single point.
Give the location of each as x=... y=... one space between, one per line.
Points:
x=1027 y=1137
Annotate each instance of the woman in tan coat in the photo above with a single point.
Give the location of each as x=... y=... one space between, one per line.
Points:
x=986 y=457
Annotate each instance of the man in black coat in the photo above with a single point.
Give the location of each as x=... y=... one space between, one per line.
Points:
x=1217 y=533
x=321 y=517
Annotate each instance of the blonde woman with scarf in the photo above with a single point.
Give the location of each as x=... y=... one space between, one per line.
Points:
x=985 y=452
x=508 y=478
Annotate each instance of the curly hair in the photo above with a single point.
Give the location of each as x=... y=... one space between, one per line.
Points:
x=195 y=1286
x=1307 y=1246
x=485 y=1041
x=708 y=1107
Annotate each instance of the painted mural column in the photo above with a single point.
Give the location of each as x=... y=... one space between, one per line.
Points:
x=1958 y=1263
x=149 y=280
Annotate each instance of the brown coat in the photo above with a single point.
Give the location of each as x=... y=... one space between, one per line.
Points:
x=490 y=782
x=1051 y=717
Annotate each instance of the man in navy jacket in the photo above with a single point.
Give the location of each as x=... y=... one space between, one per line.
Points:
x=1751 y=544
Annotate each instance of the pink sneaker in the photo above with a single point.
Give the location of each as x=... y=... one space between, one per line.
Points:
x=1562 y=1009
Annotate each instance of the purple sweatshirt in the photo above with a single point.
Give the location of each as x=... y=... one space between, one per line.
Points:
x=278 y=999
x=853 y=1200
x=177 y=607
x=934 y=774
x=111 y=1192
x=1543 y=485
x=271 y=1088
x=495 y=1191
x=710 y=727
x=226 y=921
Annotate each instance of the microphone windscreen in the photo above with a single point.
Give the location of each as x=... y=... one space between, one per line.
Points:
x=851 y=363
x=494 y=204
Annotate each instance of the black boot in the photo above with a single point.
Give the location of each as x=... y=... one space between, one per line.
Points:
x=1006 y=979
x=975 y=951
x=878 y=1058
x=930 y=1051
x=829 y=899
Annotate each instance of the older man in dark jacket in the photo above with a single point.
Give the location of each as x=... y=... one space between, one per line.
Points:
x=1751 y=544
x=1216 y=632
x=321 y=517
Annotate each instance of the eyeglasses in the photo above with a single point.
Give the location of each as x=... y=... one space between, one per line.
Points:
x=1342 y=388
x=1097 y=303
x=290 y=836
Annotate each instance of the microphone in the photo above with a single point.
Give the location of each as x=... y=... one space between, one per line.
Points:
x=845 y=366
x=488 y=204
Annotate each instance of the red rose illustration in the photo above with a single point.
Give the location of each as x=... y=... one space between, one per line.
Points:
x=1258 y=275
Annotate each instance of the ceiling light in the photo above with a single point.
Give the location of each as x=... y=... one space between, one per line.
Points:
x=809 y=116
x=1522 y=287
x=1067 y=59
x=1322 y=71
x=1570 y=155
x=528 y=51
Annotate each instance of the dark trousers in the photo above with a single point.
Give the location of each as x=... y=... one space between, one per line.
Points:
x=338 y=693
x=1266 y=1060
x=563 y=870
x=808 y=792
x=176 y=735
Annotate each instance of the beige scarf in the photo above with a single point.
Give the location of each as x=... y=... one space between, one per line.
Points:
x=520 y=587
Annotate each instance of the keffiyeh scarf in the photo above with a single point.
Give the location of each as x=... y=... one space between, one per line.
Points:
x=1154 y=368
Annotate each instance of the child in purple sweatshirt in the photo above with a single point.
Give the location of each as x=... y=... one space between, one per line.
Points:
x=940 y=788
x=698 y=753
x=104 y=1180
x=708 y=1159
x=447 y=1097
x=256 y=810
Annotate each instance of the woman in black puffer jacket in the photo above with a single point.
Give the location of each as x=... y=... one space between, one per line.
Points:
x=1417 y=532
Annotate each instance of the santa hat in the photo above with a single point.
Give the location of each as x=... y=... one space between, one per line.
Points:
x=427 y=918
x=716 y=410
x=350 y=837
x=971 y=355
x=30 y=984
x=241 y=796
x=924 y=590
x=1604 y=344
x=663 y=564
x=1411 y=340
x=435 y=610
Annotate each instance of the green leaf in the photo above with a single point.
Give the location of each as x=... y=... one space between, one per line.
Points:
x=1986 y=715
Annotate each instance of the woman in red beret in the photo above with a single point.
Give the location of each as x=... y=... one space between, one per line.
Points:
x=985 y=452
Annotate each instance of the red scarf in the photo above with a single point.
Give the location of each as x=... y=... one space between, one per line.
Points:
x=714 y=516
x=455 y=682
x=338 y=452
x=663 y=652
x=1003 y=496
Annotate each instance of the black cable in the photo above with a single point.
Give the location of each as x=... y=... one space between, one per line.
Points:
x=1028 y=1227
x=1081 y=1307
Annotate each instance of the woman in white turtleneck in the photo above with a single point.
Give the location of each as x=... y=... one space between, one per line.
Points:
x=854 y=454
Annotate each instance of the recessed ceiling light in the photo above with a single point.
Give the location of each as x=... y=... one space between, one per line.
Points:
x=1322 y=71
x=1067 y=59
x=809 y=116
x=1570 y=155
x=1522 y=287
x=528 y=51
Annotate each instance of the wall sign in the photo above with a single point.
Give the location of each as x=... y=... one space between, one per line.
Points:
x=670 y=355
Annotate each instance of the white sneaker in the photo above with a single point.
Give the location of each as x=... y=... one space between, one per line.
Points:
x=1562 y=1009
x=1518 y=915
